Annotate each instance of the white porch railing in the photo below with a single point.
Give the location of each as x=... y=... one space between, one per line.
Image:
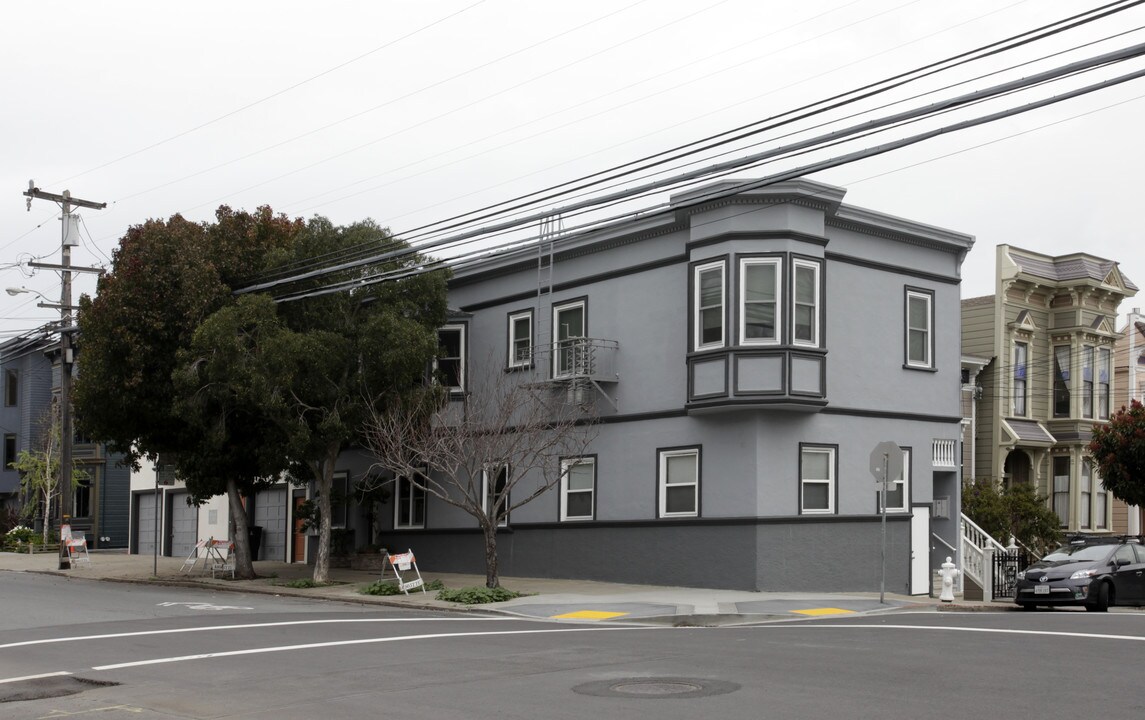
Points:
x=978 y=550
x=944 y=453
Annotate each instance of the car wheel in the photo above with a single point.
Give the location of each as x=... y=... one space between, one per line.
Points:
x=1101 y=599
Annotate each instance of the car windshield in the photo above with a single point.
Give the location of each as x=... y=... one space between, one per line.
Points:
x=1078 y=553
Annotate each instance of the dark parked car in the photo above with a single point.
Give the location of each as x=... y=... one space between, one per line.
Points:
x=1096 y=572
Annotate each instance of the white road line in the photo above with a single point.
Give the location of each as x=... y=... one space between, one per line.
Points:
x=246 y=626
x=33 y=677
x=999 y=631
x=361 y=641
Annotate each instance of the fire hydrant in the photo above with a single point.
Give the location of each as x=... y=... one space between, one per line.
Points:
x=948 y=573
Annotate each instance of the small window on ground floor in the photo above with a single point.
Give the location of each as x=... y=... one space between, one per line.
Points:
x=680 y=482
x=816 y=479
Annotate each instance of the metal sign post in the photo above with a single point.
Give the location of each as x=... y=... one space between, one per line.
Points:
x=886 y=463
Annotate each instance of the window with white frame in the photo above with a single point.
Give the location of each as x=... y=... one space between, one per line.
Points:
x=1087 y=381
x=1061 y=488
x=708 y=309
x=919 y=324
x=805 y=303
x=1103 y=370
x=1061 y=380
x=760 y=307
x=1085 y=512
x=1018 y=390
x=568 y=338
x=450 y=362
x=409 y=504
x=898 y=494
x=1100 y=502
x=816 y=480
x=521 y=339
x=680 y=483
x=578 y=488
x=495 y=493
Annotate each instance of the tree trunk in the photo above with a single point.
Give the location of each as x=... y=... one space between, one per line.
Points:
x=324 y=476
x=490 y=531
x=244 y=568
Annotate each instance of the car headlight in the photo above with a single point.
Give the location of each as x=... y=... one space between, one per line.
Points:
x=1082 y=574
x=1021 y=574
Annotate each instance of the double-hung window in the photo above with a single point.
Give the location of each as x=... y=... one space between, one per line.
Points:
x=1061 y=380
x=760 y=309
x=1103 y=371
x=521 y=339
x=805 y=303
x=1018 y=385
x=708 y=310
x=495 y=494
x=919 y=323
x=578 y=488
x=898 y=494
x=409 y=504
x=1100 y=503
x=450 y=363
x=1087 y=381
x=1061 y=488
x=570 y=355
x=1085 y=513
x=816 y=480
x=680 y=483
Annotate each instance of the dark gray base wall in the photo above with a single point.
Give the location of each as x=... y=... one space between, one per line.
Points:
x=839 y=555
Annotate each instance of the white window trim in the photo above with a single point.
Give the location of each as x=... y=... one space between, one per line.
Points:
x=830 y=481
x=557 y=310
x=398 y=500
x=504 y=522
x=663 y=481
x=903 y=481
x=928 y=361
x=514 y=361
x=697 y=335
x=566 y=467
x=777 y=266
x=815 y=268
x=1025 y=380
x=461 y=369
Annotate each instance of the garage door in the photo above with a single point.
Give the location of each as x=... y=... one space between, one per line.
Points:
x=270 y=514
x=145 y=524
x=184 y=526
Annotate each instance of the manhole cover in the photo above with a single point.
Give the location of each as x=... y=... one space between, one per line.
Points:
x=656 y=687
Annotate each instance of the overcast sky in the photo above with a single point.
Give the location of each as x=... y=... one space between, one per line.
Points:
x=410 y=112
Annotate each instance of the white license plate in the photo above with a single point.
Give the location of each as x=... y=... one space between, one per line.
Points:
x=1041 y=589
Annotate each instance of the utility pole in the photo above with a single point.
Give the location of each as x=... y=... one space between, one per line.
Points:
x=68 y=238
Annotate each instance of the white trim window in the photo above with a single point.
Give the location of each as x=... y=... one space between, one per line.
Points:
x=708 y=306
x=816 y=480
x=568 y=328
x=409 y=504
x=521 y=339
x=491 y=492
x=805 y=303
x=1019 y=390
x=1100 y=502
x=760 y=307
x=919 y=314
x=450 y=362
x=1087 y=381
x=1085 y=514
x=898 y=496
x=1103 y=374
x=679 y=483
x=1061 y=471
x=578 y=488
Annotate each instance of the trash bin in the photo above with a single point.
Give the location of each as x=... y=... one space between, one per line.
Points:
x=255 y=541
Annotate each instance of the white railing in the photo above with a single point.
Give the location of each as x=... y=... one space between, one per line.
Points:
x=978 y=549
x=944 y=453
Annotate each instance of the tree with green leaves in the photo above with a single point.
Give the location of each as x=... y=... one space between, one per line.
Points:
x=1012 y=511
x=1118 y=450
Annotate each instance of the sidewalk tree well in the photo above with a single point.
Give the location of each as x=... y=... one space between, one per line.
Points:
x=488 y=451
x=1118 y=450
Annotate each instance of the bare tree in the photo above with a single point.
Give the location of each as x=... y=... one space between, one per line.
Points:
x=496 y=448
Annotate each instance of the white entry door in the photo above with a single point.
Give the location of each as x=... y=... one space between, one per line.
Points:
x=920 y=551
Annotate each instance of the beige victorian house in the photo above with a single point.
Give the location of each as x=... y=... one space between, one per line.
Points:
x=1048 y=335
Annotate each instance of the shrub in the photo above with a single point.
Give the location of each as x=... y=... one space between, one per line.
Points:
x=477 y=595
x=1016 y=510
x=21 y=535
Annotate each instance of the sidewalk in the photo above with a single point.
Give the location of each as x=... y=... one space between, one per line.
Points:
x=576 y=600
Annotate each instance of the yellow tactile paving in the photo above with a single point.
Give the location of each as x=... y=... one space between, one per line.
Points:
x=587 y=615
x=824 y=611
